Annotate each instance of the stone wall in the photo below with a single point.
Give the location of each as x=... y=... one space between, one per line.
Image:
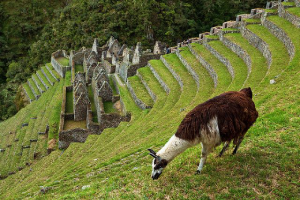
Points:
x=288 y=16
x=205 y=64
x=189 y=68
x=281 y=35
x=61 y=70
x=153 y=96
x=221 y=58
x=27 y=96
x=91 y=126
x=42 y=81
x=112 y=120
x=52 y=73
x=37 y=85
x=31 y=87
x=51 y=83
x=160 y=80
x=257 y=42
x=80 y=95
x=237 y=50
x=109 y=68
x=297 y=3
x=73 y=135
x=175 y=75
x=138 y=101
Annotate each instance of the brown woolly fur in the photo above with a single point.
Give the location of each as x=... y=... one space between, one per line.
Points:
x=235 y=112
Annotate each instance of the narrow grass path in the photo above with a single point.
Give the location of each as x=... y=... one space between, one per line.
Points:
x=206 y=87
x=259 y=65
x=238 y=65
x=224 y=77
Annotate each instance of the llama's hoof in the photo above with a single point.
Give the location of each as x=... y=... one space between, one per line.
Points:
x=198 y=172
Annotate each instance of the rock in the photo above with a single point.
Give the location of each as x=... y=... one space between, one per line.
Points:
x=272 y=81
x=85 y=187
x=44 y=189
x=182 y=109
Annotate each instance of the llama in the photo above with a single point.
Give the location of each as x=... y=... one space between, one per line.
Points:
x=223 y=118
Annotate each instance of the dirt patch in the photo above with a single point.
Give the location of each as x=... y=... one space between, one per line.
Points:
x=118 y=106
x=52 y=144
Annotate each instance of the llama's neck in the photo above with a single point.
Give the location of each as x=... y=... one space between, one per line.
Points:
x=173 y=148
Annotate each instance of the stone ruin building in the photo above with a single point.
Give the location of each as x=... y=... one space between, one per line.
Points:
x=80 y=97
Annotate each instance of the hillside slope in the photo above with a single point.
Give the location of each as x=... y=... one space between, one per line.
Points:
x=116 y=164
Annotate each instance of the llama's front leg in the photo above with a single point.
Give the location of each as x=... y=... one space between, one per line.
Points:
x=237 y=145
x=205 y=151
x=226 y=145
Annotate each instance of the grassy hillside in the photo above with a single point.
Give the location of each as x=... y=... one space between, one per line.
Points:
x=116 y=164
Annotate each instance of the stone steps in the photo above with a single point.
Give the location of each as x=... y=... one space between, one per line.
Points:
x=28 y=92
x=235 y=65
x=43 y=79
x=52 y=71
x=139 y=93
x=217 y=70
x=38 y=83
x=33 y=88
x=48 y=76
x=205 y=82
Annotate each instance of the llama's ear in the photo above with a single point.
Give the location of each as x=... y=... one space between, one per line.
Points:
x=151 y=151
x=247 y=92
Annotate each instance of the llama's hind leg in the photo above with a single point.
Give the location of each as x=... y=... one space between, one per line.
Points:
x=237 y=145
x=206 y=149
x=226 y=145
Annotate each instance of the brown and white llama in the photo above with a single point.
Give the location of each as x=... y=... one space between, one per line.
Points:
x=223 y=118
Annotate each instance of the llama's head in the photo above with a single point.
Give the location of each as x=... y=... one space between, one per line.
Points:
x=158 y=164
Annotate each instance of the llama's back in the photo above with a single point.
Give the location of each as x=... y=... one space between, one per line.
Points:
x=234 y=111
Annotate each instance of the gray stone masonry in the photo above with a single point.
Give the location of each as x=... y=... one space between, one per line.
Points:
x=105 y=91
x=175 y=75
x=42 y=81
x=73 y=135
x=189 y=68
x=288 y=16
x=56 y=65
x=37 y=85
x=159 y=79
x=229 y=24
x=221 y=59
x=51 y=83
x=137 y=101
x=272 y=5
x=52 y=73
x=297 y=2
x=205 y=64
x=153 y=96
x=137 y=54
x=159 y=47
x=80 y=97
x=257 y=42
x=281 y=35
x=237 y=50
x=35 y=95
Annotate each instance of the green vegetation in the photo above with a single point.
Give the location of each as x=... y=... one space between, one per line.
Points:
x=259 y=65
x=79 y=68
x=33 y=85
x=288 y=3
x=112 y=85
x=140 y=91
x=53 y=70
x=229 y=29
x=252 y=21
x=224 y=77
x=63 y=61
x=39 y=83
x=50 y=77
x=212 y=36
x=71 y=124
x=294 y=11
x=271 y=10
x=109 y=107
x=69 y=102
x=28 y=91
x=238 y=65
x=93 y=107
x=42 y=76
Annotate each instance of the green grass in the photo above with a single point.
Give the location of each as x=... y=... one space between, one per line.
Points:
x=271 y=10
x=140 y=91
x=69 y=102
x=116 y=163
x=109 y=107
x=252 y=21
x=112 y=85
x=294 y=11
x=224 y=77
x=78 y=68
x=54 y=72
x=229 y=29
x=50 y=77
x=39 y=83
x=206 y=84
x=280 y=56
x=63 y=61
x=212 y=36
x=28 y=91
x=33 y=85
x=259 y=65
x=93 y=107
x=238 y=65
x=43 y=78
x=288 y=3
